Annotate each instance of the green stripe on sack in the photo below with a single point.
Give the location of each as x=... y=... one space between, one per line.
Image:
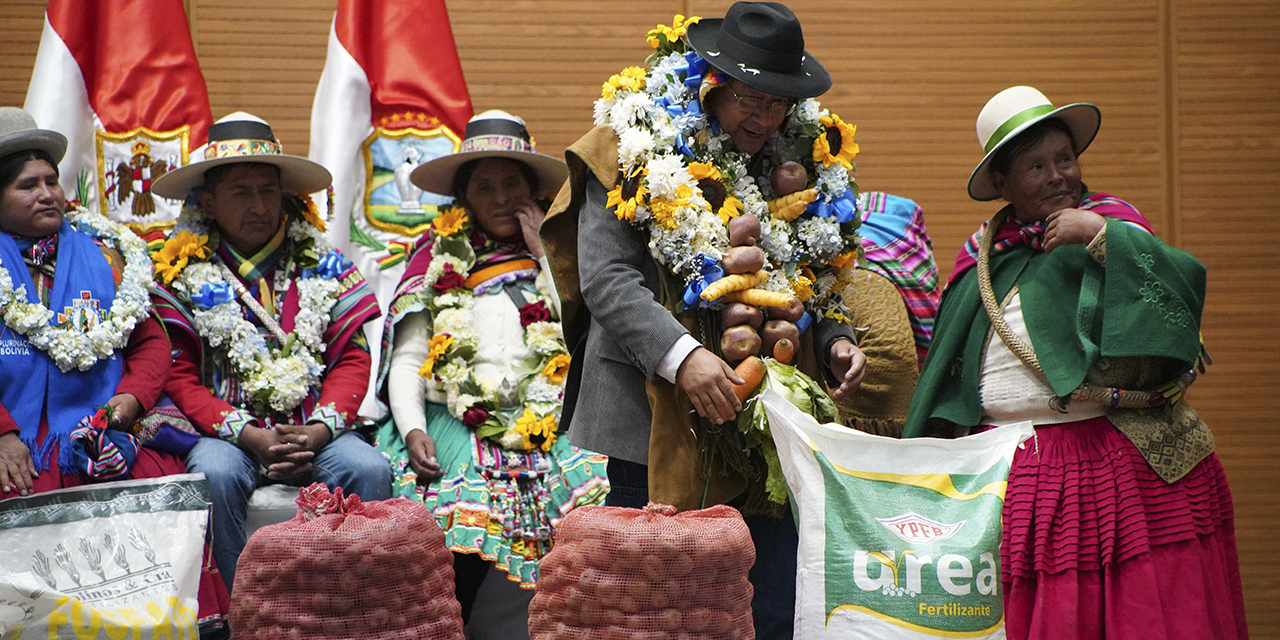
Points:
x=187 y=492
x=1016 y=121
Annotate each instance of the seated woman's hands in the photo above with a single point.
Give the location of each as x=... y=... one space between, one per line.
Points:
x=1071 y=226
x=17 y=469
x=531 y=217
x=422 y=456
x=125 y=410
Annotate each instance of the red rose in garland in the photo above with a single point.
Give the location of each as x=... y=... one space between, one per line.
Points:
x=534 y=312
x=449 y=280
x=475 y=416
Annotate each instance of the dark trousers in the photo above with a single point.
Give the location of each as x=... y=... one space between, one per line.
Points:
x=773 y=576
x=469 y=570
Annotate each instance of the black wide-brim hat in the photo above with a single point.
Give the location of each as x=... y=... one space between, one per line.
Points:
x=761 y=45
x=238 y=138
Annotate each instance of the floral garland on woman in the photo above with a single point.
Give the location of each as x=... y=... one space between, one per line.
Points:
x=276 y=379
x=69 y=344
x=683 y=182
x=473 y=398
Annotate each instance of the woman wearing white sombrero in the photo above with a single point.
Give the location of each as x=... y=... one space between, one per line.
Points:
x=1065 y=310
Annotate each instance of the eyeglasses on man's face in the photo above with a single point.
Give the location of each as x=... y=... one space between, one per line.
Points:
x=776 y=108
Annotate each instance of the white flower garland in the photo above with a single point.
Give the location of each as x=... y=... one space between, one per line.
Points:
x=70 y=346
x=662 y=134
x=454 y=342
x=279 y=377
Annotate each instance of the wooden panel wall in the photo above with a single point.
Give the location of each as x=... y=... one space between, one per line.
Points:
x=1191 y=135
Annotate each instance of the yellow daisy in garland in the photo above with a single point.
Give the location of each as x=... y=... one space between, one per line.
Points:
x=172 y=257
x=438 y=345
x=631 y=78
x=837 y=144
x=530 y=426
x=312 y=213
x=845 y=260
x=450 y=221
x=672 y=33
x=557 y=368
x=802 y=287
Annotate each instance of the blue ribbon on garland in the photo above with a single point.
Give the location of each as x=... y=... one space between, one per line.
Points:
x=708 y=272
x=694 y=67
x=844 y=208
x=212 y=295
x=329 y=267
x=804 y=322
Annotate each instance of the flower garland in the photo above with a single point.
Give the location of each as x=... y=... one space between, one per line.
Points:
x=276 y=379
x=471 y=397
x=70 y=344
x=682 y=180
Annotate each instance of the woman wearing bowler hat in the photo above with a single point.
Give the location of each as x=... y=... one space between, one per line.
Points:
x=647 y=376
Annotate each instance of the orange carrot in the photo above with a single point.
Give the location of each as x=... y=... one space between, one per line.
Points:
x=784 y=350
x=751 y=371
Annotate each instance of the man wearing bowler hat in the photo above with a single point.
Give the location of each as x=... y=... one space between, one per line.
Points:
x=265 y=316
x=639 y=370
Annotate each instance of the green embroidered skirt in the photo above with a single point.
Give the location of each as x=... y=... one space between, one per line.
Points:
x=499 y=504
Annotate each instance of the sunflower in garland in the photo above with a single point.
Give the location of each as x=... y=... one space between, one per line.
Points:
x=711 y=183
x=836 y=144
x=450 y=221
x=627 y=196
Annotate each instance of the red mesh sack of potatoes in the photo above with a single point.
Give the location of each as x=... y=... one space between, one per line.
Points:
x=646 y=574
x=346 y=569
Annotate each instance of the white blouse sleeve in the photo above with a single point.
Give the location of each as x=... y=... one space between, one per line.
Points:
x=406 y=390
x=547 y=284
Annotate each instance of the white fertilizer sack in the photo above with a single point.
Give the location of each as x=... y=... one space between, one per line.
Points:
x=898 y=538
x=104 y=561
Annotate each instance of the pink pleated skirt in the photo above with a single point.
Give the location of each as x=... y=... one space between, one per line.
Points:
x=1097 y=546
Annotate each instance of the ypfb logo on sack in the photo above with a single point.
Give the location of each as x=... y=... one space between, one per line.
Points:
x=917 y=528
x=919 y=551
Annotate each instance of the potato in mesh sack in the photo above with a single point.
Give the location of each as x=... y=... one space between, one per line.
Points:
x=346 y=569
x=646 y=574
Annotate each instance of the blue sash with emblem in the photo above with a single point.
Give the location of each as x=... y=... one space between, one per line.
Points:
x=31 y=384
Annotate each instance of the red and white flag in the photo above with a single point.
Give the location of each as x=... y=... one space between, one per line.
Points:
x=391 y=97
x=119 y=78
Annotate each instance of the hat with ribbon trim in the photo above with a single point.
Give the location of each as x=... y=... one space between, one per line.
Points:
x=760 y=44
x=242 y=137
x=1011 y=112
x=18 y=132
x=492 y=134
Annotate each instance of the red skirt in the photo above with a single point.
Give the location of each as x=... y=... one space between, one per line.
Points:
x=1097 y=546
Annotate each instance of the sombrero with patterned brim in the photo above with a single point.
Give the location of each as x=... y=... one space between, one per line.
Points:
x=492 y=134
x=242 y=137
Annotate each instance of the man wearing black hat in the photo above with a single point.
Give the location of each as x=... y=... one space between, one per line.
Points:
x=639 y=371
